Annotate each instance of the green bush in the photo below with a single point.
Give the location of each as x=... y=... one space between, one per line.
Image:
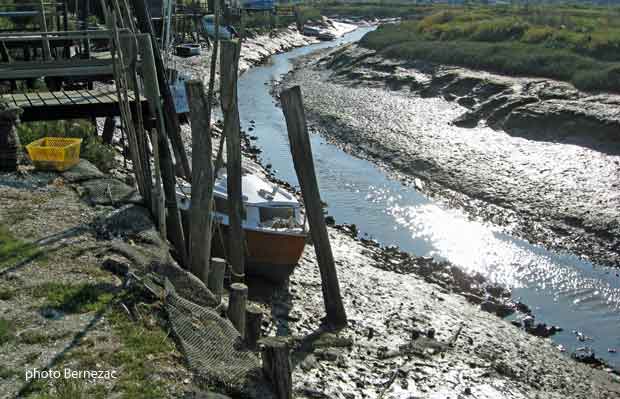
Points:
x=499 y=30
x=92 y=149
x=537 y=34
x=511 y=41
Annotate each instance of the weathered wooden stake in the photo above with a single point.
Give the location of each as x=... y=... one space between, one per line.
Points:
x=229 y=65
x=108 y=130
x=159 y=206
x=236 y=306
x=202 y=182
x=301 y=150
x=216 y=277
x=171 y=119
x=253 y=320
x=277 y=366
x=173 y=222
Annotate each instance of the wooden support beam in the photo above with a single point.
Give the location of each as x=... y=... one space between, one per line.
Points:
x=173 y=221
x=229 y=66
x=158 y=193
x=277 y=366
x=299 y=139
x=142 y=14
x=237 y=300
x=216 y=277
x=46 y=44
x=202 y=182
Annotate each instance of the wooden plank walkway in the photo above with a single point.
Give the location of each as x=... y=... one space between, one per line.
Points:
x=75 y=104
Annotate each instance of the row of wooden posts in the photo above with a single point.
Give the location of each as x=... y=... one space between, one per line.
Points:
x=193 y=247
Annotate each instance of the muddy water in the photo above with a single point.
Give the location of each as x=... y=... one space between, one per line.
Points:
x=561 y=288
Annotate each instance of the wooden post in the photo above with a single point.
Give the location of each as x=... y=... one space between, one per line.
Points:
x=236 y=306
x=216 y=277
x=229 y=65
x=83 y=20
x=65 y=26
x=202 y=182
x=301 y=150
x=47 y=52
x=277 y=366
x=173 y=222
x=159 y=205
x=108 y=130
x=253 y=321
x=171 y=119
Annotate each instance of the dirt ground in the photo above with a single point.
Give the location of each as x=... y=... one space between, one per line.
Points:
x=62 y=310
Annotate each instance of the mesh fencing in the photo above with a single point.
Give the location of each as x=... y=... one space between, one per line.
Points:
x=213 y=347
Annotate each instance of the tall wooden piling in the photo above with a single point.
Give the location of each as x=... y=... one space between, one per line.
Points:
x=202 y=182
x=299 y=139
x=229 y=65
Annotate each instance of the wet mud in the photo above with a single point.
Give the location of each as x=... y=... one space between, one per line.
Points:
x=416 y=328
x=535 y=156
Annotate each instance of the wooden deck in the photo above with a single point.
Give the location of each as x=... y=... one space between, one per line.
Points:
x=40 y=106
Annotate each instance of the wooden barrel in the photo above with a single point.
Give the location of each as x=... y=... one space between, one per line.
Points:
x=9 y=141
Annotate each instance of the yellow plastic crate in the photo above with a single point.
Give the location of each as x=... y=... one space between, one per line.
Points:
x=54 y=153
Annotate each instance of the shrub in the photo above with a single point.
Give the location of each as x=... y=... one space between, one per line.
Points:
x=537 y=34
x=499 y=30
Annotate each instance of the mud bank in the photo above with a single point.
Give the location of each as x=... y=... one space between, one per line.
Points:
x=417 y=327
x=256 y=49
x=537 y=156
x=410 y=338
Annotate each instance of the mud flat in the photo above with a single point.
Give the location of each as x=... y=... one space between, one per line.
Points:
x=410 y=338
x=533 y=155
x=417 y=328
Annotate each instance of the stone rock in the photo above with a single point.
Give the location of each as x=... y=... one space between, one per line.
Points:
x=542 y=330
x=500 y=309
x=467 y=102
x=116 y=264
x=309 y=363
x=109 y=191
x=329 y=354
x=83 y=171
x=128 y=221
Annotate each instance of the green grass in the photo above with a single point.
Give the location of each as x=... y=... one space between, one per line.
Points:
x=574 y=44
x=92 y=148
x=6 y=294
x=6 y=332
x=7 y=373
x=139 y=343
x=377 y=9
x=13 y=251
x=74 y=298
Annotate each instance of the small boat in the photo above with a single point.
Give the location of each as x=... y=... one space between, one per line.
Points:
x=273 y=224
x=187 y=50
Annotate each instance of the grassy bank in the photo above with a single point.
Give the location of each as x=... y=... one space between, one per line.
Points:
x=373 y=9
x=575 y=44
